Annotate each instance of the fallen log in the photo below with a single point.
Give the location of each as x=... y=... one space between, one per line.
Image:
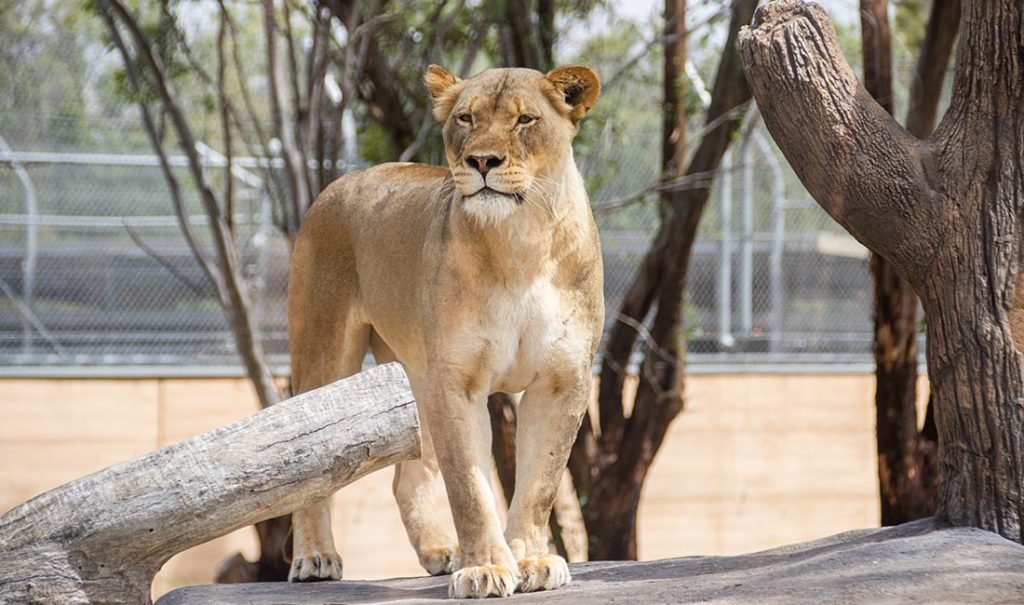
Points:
x=102 y=538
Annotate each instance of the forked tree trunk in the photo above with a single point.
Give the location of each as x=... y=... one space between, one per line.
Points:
x=609 y=466
x=945 y=211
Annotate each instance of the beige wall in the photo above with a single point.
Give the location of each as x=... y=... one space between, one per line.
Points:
x=754 y=461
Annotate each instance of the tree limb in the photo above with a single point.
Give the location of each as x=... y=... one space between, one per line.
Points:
x=383 y=93
x=225 y=121
x=294 y=159
x=659 y=392
x=798 y=76
x=210 y=270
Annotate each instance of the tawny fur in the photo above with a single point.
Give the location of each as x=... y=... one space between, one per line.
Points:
x=476 y=281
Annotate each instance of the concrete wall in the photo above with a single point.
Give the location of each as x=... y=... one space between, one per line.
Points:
x=755 y=461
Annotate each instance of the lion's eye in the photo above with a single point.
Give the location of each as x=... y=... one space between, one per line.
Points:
x=465 y=118
x=525 y=119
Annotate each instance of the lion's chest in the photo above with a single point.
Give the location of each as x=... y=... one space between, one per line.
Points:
x=518 y=336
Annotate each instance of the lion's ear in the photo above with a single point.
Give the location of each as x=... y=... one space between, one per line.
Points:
x=579 y=88
x=441 y=84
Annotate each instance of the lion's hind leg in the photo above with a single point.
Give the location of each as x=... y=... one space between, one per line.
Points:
x=325 y=352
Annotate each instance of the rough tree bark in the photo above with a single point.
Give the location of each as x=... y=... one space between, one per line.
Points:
x=610 y=461
x=907 y=470
x=102 y=538
x=946 y=211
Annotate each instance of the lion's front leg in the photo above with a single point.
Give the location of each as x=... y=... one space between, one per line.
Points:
x=459 y=423
x=549 y=417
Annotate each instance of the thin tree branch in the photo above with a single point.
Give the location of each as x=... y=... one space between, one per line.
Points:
x=274 y=188
x=222 y=97
x=293 y=158
x=163 y=262
x=232 y=287
x=383 y=93
x=315 y=89
x=660 y=37
x=209 y=269
x=33 y=319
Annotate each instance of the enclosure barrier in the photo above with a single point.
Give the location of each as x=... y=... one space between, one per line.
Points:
x=102 y=538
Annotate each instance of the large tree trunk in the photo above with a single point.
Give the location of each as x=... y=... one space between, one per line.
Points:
x=609 y=468
x=946 y=212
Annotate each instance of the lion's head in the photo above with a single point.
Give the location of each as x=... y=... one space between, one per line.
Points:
x=508 y=132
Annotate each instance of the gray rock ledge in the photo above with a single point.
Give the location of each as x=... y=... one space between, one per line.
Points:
x=920 y=562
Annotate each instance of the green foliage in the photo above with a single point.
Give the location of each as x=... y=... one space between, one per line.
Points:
x=374 y=144
x=42 y=76
x=908 y=27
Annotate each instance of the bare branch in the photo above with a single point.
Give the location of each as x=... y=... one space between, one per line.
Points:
x=209 y=269
x=315 y=88
x=660 y=37
x=274 y=188
x=280 y=107
x=30 y=316
x=163 y=262
x=222 y=97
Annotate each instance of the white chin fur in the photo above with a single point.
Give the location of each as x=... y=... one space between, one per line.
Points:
x=489 y=208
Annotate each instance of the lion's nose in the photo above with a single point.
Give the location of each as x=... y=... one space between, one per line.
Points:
x=483 y=163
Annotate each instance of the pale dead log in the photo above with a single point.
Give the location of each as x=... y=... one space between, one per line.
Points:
x=102 y=538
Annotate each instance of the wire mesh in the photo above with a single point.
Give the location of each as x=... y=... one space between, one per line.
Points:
x=109 y=279
x=94 y=270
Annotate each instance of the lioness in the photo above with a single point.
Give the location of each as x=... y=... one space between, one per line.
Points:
x=482 y=277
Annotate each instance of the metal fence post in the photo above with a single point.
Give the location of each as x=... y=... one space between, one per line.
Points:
x=28 y=266
x=725 y=337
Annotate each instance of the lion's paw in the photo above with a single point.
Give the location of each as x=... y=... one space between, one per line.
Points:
x=546 y=572
x=440 y=560
x=315 y=566
x=480 y=581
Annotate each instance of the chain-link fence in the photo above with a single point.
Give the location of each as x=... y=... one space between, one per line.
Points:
x=95 y=273
x=94 y=270
x=772 y=280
